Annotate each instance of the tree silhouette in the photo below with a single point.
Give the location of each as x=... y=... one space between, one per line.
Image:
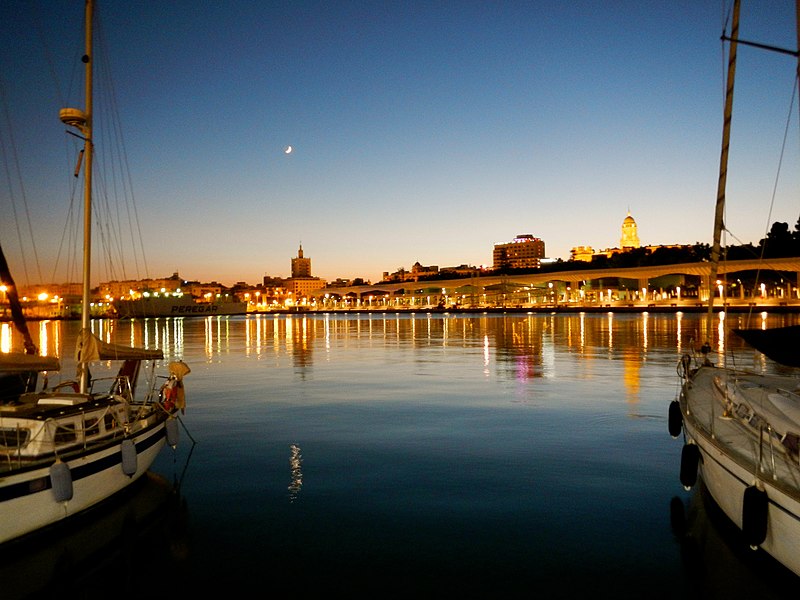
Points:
x=780 y=242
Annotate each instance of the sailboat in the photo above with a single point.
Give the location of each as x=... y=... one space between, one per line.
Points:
x=69 y=447
x=742 y=429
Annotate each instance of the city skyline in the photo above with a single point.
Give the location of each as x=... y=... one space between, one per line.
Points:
x=419 y=133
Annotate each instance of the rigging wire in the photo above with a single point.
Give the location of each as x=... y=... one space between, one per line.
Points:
x=120 y=219
x=116 y=214
x=24 y=198
x=724 y=230
x=119 y=230
x=777 y=179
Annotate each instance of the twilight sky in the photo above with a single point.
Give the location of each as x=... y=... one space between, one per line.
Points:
x=422 y=131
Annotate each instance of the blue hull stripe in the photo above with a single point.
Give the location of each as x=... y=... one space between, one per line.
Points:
x=42 y=483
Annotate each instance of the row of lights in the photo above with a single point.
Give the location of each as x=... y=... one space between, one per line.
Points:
x=44 y=296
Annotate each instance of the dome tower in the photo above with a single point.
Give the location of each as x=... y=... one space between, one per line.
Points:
x=630 y=237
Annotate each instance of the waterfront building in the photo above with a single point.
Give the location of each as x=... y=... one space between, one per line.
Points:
x=39 y=290
x=301 y=266
x=460 y=271
x=523 y=252
x=274 y=282
x=582 y=253
x=173 y=285
x=301 y=284
x=417 y=272
x=45 y=301
x=629 y=240
x=133 y=288
x=207 y=291
x=340 y=282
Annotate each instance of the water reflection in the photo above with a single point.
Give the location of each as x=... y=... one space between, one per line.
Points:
x=295 y=466
x=523 y=347
x=632 y=361
x=103 y=549
x=503 y=444
x=717 y=559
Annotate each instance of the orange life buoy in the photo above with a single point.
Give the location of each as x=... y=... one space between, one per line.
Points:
x=168 y=395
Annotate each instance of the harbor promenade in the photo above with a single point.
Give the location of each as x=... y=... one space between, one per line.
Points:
x=685 y=287
x=678 y=287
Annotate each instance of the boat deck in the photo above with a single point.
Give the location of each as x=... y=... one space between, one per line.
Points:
x=754 y=419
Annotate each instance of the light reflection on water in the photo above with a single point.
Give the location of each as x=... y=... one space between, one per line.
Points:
x=439 y=452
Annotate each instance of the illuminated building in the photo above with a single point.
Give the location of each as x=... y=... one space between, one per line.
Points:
x=584 y=253
x=301 y=266
x=301 y=283
x=524 y=252
x=630 y=237
x=132 y=288
x=629 y=240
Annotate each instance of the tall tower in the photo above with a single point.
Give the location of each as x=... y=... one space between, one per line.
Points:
x=630 y=237
x=301 y=267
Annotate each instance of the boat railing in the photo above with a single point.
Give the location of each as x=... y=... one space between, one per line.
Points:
x=120 y=386
x=771 y=446
x=770 y=442
x=26 y=444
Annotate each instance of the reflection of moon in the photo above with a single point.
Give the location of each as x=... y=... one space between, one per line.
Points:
x=287 y=150
x=295 y=461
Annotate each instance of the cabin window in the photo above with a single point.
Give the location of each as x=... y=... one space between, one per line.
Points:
x=14 y=437
x=66 y=433
x=110 y=422
x=91 y=427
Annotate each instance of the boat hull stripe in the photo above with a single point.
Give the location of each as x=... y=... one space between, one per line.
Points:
x=33 y=486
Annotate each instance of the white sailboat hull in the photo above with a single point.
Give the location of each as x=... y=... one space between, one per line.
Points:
x=95 y=475
x=732 y=459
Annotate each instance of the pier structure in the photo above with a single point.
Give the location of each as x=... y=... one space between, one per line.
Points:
x=686 y=285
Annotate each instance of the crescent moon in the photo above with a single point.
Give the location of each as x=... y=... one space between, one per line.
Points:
x=288 y=150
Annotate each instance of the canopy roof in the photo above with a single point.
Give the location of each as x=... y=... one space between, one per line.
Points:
x=90 y=347
x=506 y=286
x=375 y=293
x=17 y=362
x=467 y=289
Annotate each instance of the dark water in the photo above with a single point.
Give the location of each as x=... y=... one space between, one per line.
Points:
x=411 y=455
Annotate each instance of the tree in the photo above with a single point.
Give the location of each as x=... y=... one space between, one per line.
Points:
x=779 y=242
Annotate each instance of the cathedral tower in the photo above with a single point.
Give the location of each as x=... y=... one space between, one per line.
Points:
x=301 y=267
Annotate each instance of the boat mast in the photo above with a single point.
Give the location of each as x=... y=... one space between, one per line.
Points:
x=723 y=167
x=87 y=192
x=82 y=121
